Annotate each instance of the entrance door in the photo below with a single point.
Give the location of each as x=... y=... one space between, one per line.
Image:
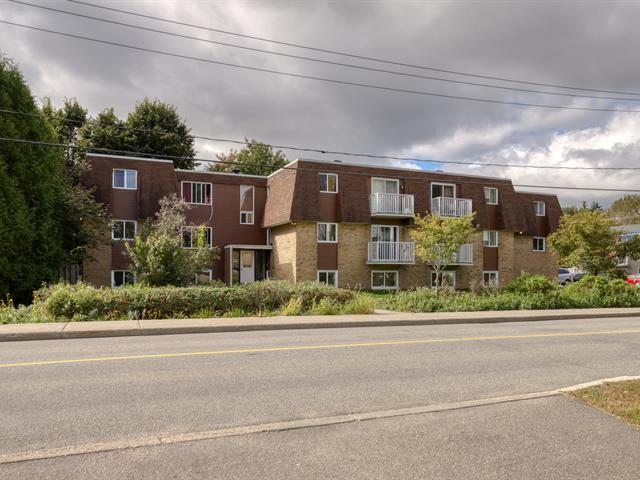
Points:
x=247 y=266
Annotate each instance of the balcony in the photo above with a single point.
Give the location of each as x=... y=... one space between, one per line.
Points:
x=392 y=252
x=464 y=255
x=391 y=205
x=451 y=207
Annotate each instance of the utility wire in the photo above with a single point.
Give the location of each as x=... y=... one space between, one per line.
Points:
x=469 y=180
x=330 y=152
x=346 y=54
x=320 y=79
x=317 y=60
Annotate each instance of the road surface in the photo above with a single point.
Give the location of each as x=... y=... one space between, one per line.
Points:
x=66 y=399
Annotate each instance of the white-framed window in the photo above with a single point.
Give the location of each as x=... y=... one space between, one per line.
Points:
x=490 y=238
x=330 y=277
x=269 y=237
x=327 y=232
x=491 y=279
x=447 y=279
x=328 y=182
x=384 y=233
x=247 y=204
x=539 y=244
x=204 y=276
x=385 y=185
x=123 y=230
x=125 y=179
x=491 y=195
x=540 y=208
x=447 y=190
x=190 y=236
x=120 y=278
x=385 y=280
x=196 y=193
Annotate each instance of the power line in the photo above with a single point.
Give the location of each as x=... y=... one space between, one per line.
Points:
x=346 y=54
x=317 y=60
x=320 y=79
x=469 y=180
x=335 y=152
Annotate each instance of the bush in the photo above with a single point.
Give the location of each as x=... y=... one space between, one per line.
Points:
x=528 y=284
x=83 y=302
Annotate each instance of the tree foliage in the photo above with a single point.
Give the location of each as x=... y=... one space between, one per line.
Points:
x=32 y=185
x=255 y=158
x=157 y=256
x=438 y=239
x=626 y=210
x=587 y=240
x=592 y=207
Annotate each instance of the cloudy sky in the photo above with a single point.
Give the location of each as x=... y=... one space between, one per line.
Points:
x=588 y=44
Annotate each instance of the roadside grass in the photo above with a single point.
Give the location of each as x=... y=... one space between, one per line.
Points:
x=621 y=399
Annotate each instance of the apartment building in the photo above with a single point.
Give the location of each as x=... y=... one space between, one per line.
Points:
x=344 y=224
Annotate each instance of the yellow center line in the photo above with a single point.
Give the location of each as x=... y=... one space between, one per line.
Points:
x=320 y=347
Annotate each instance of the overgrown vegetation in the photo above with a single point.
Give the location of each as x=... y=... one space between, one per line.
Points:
x=82 y=302
x=528 y=292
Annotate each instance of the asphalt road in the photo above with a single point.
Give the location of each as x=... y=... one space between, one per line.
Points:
x=70 y=393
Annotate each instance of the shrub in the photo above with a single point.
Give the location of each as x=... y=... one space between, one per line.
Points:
x=83 y=302
x=528 y=284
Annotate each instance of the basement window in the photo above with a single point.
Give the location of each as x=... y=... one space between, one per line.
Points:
x=120 y=278
x=328 y=277
x=385 y=280
x=491 y=279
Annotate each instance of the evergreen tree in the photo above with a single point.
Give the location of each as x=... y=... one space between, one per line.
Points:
x=31 y=193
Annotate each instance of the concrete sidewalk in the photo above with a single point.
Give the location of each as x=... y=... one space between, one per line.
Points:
x=63 y=330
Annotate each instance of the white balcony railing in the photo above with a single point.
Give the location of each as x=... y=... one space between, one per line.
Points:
x=464 y=255
x=451 y=207
x=392 y=252
x=394 y=204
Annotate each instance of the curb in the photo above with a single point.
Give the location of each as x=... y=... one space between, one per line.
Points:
x=116 y=331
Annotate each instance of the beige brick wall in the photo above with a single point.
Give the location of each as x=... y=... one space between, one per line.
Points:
x=535 y=263
x=506 y=257
x=307 y=251
x=283 y=255
x=353 y=241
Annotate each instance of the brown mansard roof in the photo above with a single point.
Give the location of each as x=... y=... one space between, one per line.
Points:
x=294 y=196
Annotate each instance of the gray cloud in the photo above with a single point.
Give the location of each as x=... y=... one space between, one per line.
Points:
x=576 y=43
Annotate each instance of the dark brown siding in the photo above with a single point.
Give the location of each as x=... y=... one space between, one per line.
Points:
x=327 y=256
x=328 y=207
x=489 y=258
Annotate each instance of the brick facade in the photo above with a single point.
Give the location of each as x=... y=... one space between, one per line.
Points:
x=289 y=203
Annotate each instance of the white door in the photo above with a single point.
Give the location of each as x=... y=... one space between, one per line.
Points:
x=247 y=266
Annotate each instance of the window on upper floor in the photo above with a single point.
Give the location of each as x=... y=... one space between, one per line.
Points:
x=328 y=182
x=447 y=190
x=190 y=236
x=539 y=244
x=197 y=193
x=385 y=185
x=247 y=204
x=120 y=278
x=491 y=195
x=327 y=232
x=540 y=209
x=125 y=179
x=123 y=230
x=490 y=238
x=384 y=233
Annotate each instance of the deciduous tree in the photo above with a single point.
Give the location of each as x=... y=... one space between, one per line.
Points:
x=254 y=159
x=438 y=239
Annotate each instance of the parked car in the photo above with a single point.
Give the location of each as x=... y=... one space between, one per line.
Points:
x=577 y=276
x=633 y=280
x=564 y=276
